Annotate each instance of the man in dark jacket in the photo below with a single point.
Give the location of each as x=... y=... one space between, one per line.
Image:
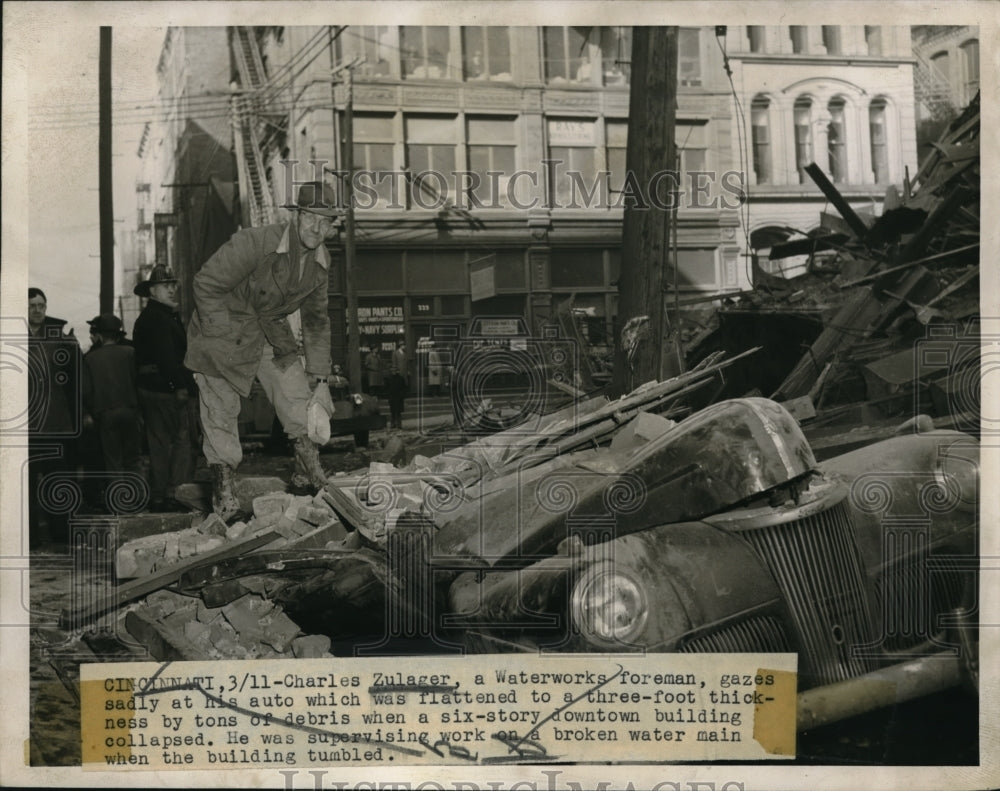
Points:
x=53 y=417
x=243 y=296
x=109 y=395
x=165 y=386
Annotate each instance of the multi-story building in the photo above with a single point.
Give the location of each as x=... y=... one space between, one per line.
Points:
x=841 y=96
x=185 y=194
x=494 y=164
x=946 y=76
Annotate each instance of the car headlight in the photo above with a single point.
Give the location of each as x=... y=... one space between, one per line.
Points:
x=609 y=607
x=957 y=473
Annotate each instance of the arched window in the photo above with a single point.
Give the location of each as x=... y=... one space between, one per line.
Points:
x=879 y=140
x=970 y=56
x=756 y=35
x=800 y=38
x=836 y=132
x=760 y=134
x=803 y=137
x=941 y=66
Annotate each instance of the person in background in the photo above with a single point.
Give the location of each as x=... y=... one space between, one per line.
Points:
x=164 y=386
x=109 y=395
x=373 y=372
x=239 y=329
x=397 y=385
x=53 y=416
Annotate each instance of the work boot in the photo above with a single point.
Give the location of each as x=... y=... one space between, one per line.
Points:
x=308 y=474
x=224 y=501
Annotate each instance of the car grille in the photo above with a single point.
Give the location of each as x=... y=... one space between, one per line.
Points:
x=759 y=634
x=904 y=591
x=817 y=566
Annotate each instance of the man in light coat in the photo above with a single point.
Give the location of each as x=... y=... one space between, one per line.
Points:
x=239 y=330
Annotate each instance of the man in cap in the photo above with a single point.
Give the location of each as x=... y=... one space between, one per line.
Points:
x=165 y=386
x=109 y=395
x=243 y=296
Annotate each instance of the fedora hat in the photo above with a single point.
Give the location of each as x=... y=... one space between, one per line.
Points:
x=160 y=274
x=317 y=198
x=107 y=323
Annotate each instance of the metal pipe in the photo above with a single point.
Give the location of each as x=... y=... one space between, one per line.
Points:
x=886 y=687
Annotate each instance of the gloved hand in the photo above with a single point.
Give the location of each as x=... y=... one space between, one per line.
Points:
x=319 y=410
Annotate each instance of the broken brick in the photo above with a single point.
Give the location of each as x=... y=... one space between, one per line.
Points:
x=236 y=530
x=273 y=503
x=213 y=525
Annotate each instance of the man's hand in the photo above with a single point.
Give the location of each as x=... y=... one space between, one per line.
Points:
x=182 y=395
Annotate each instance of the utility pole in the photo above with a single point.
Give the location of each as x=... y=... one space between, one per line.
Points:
x=645 y=348
x=353 y=327
x=104 y=184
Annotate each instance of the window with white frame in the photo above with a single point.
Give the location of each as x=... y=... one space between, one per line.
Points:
x=486 y=53
x=373 y=153
x=760 y=136
x=567 y=54
x=430 y=157
x=375 y=44
x=689 y=56
x=802 y=118
x=836 y=134
x=573 y=161
x=970 y=57
x=879 y=140
x=426 y=52
x=616 y=52
x=491 y=156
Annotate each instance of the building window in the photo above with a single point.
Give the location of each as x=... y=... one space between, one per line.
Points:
x=572 y=149
x=616 y=144
x=578 y=267
x=760 y=135
x=836 y=131
x=374 y=43
x=689 y=56
x=803 y=137
x=692 y=143
x=567 y=54
x=487 y=53
x=616 y=50
x=831 y=39
x=879 y=141
x=430 y=158
x=800 y=38
x=756 y=35
x=491 y=150
x=873 y=39
x=970 y=56
x=941 y=67
x=373 y=155
x=426 y=52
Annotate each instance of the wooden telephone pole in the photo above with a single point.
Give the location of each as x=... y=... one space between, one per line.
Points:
x=645 y=347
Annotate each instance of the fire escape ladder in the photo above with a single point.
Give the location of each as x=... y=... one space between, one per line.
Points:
x=933 y=88
x=257 y=200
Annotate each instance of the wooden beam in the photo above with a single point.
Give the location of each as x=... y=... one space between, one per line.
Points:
x=160 y=579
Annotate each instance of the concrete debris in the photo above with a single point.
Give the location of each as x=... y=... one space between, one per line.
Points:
x=312 y=647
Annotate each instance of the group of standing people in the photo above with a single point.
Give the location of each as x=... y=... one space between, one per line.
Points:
x=119 y=394
x=238 y=331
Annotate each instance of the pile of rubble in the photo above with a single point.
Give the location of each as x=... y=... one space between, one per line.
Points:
x=257 y=587
x=894 y=300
